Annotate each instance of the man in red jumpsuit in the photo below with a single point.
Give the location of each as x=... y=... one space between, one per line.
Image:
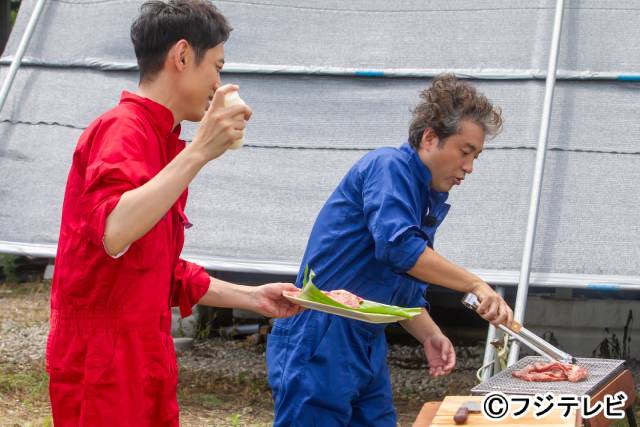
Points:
x=110 y=355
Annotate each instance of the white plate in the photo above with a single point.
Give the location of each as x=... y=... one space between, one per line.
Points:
x=357 y=315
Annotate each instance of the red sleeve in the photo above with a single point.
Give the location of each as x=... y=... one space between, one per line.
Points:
x=190 y=283
x=115 y=164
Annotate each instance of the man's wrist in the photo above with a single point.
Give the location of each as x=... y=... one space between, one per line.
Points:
x=253 y=298
x=435 y=331
x=194 y=155
x=229 y=295
x=479 y=287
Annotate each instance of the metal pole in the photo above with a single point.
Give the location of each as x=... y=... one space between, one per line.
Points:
x=523 y=285
x=313 y=70
x=22 y=47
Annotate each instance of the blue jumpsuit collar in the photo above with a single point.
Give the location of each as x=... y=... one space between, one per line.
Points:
x=423 y=174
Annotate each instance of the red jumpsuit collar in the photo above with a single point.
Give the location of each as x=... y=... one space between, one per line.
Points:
x=162 y=118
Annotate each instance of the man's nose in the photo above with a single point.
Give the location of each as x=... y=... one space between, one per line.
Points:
x=467 y=167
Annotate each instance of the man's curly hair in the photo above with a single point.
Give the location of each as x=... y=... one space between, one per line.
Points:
x=445 y=104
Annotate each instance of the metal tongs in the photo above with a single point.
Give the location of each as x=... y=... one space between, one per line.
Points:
x=525 y=336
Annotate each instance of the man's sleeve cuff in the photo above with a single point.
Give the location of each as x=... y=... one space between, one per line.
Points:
x=404 y=249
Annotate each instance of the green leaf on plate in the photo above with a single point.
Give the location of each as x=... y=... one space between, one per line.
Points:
x=311 y=293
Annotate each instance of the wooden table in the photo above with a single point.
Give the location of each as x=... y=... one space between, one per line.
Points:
x=441 y=414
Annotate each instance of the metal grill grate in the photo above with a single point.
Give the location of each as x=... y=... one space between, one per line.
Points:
x=600 y=371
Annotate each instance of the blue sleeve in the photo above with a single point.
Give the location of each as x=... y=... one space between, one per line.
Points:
x=419 y=296
x=391 y=203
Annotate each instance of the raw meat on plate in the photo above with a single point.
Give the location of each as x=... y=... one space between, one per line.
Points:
x=339 y=295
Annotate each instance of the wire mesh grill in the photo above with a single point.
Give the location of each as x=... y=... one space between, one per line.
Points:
x=600 y=371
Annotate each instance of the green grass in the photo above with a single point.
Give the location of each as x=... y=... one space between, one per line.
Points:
x=14 y=11
x=8 y=267
x=205 y=400
x=12 y=289
x=27 y=386
x=45 y=422
x=234 y=420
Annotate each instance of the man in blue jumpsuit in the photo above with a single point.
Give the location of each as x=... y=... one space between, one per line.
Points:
x=374 y=237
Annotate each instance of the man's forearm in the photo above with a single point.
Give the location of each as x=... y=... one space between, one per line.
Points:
x=227 y=295
x=140 y=209
x=421 y=327
x=433 y=268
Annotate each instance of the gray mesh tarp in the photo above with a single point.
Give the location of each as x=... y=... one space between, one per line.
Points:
x=259 y=203
x=598 y=35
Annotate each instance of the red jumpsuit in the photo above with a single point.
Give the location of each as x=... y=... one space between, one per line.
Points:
x=110 y=355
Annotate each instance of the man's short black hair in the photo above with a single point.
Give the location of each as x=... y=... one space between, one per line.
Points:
x=162 y=24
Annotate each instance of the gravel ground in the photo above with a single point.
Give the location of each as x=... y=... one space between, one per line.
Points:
x=233 y=359
x=222 y=382
x=24 y=327
x=22 y=345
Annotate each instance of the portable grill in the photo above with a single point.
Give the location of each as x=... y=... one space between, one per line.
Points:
x=601 y=372
x=605 y=377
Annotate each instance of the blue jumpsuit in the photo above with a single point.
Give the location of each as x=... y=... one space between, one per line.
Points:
x=326 y=370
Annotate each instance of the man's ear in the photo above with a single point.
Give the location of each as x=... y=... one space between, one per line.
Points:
x=429 y=139
x=179 y=54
